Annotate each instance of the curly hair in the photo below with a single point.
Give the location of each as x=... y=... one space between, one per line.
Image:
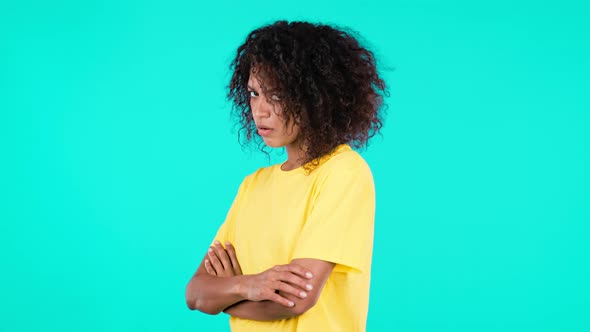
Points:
x=327 y=82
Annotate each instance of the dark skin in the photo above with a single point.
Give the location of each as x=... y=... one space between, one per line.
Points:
x=292 y=291
x=223 y=260
x=279 y=292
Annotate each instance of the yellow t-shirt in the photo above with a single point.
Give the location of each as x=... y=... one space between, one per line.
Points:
x=328 y=214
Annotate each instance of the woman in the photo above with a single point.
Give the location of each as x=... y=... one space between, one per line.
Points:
x=298 y=236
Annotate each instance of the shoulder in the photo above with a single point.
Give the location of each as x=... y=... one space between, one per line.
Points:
x=343 y=162
x=260 y=175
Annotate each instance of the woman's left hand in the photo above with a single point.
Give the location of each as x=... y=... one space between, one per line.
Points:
x=222 y=262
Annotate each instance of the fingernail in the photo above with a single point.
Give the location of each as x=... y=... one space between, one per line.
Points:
x=309 y=275
x=291 y=304
x=309 y=287
x=217 y=242
x=206 y=261
x=303 y=294
x=227 y=243
x=210 y=250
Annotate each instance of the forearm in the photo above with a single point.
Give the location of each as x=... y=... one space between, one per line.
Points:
x=261 y=311
x=266 y=310
x=212 y=294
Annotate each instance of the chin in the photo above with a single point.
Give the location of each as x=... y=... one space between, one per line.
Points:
x=272 y=144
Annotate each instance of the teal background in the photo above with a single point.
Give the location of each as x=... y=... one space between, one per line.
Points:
x=120 y=160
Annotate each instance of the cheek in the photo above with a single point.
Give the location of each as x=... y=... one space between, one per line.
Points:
x=292 y=132
x=295 y=130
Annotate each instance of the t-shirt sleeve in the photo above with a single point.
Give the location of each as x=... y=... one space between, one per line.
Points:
x=226 y=231
x=339 y=228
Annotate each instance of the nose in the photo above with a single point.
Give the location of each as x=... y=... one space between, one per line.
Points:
x=260 y=107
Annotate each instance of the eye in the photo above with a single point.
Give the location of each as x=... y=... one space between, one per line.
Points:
x=253 y=94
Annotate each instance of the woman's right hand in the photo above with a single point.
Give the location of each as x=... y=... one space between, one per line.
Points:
x=222 y=262
x=289 y=278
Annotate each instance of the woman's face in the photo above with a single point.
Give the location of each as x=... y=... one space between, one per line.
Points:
x=269 y=118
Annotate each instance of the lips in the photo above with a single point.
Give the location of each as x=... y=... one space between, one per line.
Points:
x=263 y=130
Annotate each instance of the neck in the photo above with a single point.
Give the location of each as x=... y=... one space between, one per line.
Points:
x=295 y=156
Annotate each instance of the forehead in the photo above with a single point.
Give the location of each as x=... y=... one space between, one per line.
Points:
x=253 y=81
x=261 y=78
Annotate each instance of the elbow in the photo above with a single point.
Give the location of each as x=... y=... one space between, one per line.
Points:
x=204 y=308
x=200 y=305
x=191 y=301
x=189 y=296
x=196 y=302
x=191 y=304
x=298 y=310
x=302 y=307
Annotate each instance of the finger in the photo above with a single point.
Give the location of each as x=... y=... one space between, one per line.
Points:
x=296 y=269
x=220 y=251
x=287 y=288
x=275 y=297
x=215 y=261
x=210 y=268
x=231 y=251
x=293 y=279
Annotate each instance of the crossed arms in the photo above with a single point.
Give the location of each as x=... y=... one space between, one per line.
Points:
x=280 y=292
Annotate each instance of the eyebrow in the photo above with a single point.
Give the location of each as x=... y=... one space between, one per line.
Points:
x=251 y=88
